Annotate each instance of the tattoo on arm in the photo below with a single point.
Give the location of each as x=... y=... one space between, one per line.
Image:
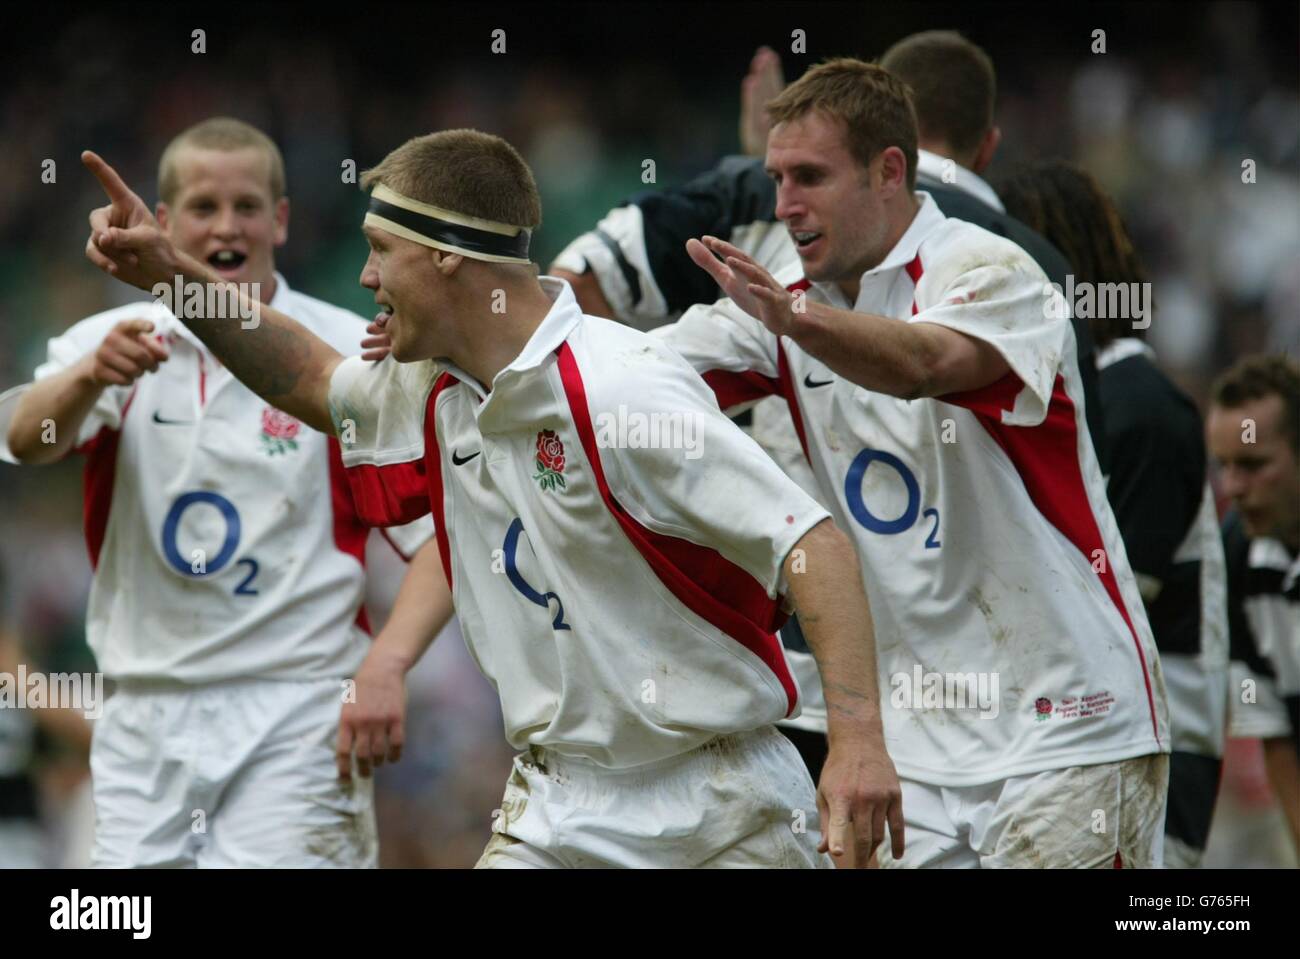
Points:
x=270 y=361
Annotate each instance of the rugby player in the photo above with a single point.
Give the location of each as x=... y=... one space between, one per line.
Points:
x=931 y=375
x=1254 y=435
x=226 y=605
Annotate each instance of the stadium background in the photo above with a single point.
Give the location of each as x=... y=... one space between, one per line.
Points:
x=1183 y=94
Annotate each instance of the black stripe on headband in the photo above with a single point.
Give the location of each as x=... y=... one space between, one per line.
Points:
x=454 y=234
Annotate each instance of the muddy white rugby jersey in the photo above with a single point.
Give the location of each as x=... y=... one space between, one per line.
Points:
x=978 y=517
x=617 y=578
x=221 y=531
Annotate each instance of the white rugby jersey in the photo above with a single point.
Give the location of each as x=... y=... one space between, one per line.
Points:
x=978 y=517
x=221 y=531
x=618 y=582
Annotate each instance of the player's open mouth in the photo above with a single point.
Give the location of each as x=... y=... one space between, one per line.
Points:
x=804 y=239
x=227 y=261
x=385 y=312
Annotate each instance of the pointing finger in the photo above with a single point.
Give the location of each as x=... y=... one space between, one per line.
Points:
x=113 y=185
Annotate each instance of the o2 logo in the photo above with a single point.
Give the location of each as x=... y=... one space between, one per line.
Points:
x=231 y=543
x=900 y=524
x=509 y=549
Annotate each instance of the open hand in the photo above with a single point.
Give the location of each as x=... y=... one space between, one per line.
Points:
x=750 y=287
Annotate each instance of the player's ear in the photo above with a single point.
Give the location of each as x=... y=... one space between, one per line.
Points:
x=446 y=263
x=893 y=171
x=281 y=221
x=160 y=214
x=988 y=146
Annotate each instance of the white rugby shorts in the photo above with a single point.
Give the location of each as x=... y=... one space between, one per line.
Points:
x=743 y=800
x=231 y=774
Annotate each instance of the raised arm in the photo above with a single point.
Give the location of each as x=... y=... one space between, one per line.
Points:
x=859 y=790
x=275 y=357
x=880 y=353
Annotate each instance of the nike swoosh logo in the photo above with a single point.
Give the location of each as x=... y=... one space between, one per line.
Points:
x=808 y=382
x=159 y=419
x=455 y=457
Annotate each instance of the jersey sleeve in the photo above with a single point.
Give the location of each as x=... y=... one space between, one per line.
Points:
x=700 y=478
x=638 y=250
x=733 y=352
x=378 y=410
x=992 y=291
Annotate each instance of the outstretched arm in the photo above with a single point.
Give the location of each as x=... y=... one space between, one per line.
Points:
x=275 y=357
x=880 y=353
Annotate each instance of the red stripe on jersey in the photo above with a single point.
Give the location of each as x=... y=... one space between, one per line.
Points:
x=349 y=531
x=433 y=463
x=708 y=584
x=1047 y=458
x=914 y=270
x=388 y=495
x=787 y=382
x=97 y=481
x=97 y=489
x=733 y=388
x=787 y=390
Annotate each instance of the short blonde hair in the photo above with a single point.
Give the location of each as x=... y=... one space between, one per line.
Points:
x=219 y=133
x=874 y=106
x=464 y=171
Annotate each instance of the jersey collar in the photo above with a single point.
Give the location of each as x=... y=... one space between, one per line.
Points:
x=1121 y=349
x=930 y=167
x=554 y=329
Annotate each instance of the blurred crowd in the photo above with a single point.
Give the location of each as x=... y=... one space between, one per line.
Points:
x=1165 y=128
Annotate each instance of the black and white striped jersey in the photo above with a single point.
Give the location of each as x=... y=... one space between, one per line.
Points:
x=1264 y=621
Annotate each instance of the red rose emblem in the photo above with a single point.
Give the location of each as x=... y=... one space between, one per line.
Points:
x=550 y=461
x=278 y=425
x=1043 y=705
x=550 y=451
